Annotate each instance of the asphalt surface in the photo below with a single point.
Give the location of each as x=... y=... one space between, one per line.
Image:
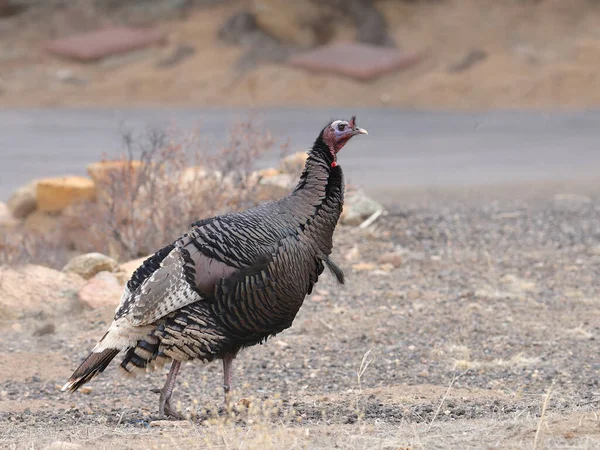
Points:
x=404 y=149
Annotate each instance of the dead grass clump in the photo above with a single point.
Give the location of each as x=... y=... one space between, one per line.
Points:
x=161 y=185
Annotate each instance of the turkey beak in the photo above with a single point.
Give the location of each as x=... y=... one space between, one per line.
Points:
x=357 y=130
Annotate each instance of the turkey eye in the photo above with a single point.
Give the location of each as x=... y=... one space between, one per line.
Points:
x=341 y=126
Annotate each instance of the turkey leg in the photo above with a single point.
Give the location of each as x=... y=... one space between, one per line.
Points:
x=165 y=407
x=227 y=369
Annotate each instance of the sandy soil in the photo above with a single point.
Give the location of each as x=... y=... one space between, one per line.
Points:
x=484 y=337
x=540 y=55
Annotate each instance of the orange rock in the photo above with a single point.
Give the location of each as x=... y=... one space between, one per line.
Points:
x=55 y=194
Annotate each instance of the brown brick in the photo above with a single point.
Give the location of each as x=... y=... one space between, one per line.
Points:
x=360 y=61
x=94 y=45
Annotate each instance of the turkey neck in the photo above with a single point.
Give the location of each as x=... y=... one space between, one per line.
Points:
x=320 y=183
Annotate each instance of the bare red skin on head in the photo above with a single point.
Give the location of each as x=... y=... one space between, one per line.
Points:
x=335 y=144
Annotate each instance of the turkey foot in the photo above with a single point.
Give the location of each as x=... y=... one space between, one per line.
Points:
x=164 y=406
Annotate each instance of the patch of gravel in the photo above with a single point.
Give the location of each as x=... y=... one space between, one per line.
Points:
x=501 y=295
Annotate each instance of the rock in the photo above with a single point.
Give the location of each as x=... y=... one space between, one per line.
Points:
x=62 y=445
x=357 y=208
x=104 y=289
x=238 y=27
x=296 y=23
x=90 y=264
x=98 y=44
x=293 y=164
x=23 y=201
x=37 y=289
x=42 y=222
x=282 y=180
x=181 y=53
x=7 y=221
x=363 y=267
x=353 y=60
x=267 y=173
x=469 y=60
x=102 y=172
x=126 y=269
x=48 y=328
x=395 y=259
x=353 y=254
x=55 y=194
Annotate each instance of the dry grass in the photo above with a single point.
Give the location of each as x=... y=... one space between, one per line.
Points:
x=178 y=180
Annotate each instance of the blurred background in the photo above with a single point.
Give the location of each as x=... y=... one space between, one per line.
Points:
x=456 y=54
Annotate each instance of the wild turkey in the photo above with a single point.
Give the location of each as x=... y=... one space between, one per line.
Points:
x=232 y=281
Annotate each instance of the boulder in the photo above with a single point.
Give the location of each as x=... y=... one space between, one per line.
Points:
x=55 y=194
x=42 y=222
x=358 y=207
x=37 y=289
x=90 y=264
x=296 y=23
x=7 y=221
x=294 y=164
x=104 y=289
x=23 y=201
x=101 y=172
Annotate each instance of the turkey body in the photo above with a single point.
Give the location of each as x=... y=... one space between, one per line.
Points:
x=231 y=281
x=245 y=275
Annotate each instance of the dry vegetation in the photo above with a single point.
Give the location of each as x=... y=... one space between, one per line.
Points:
x=164 y=182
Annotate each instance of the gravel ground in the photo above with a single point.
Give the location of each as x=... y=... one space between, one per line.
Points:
x=491 y=314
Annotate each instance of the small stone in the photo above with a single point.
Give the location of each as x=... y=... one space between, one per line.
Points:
x=395 y=259
x=317 y=298
x=353 y=254
x=357 y=208
x=244 y=402
x=90 y=264
x=363 y=267
x=23 y=201
x=48 y=328
x=85 y=390
x=387 y=267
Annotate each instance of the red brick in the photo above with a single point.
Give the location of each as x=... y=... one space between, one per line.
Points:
x=95 y=45
x=360 y=61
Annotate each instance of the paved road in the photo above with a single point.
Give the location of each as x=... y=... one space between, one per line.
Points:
x=403 y=149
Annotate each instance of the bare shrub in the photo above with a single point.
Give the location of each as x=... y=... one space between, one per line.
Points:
x=23 y=247
x=162 y=184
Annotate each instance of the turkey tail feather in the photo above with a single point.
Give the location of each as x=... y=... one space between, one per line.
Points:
x=93 y=365
x=336 y=270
